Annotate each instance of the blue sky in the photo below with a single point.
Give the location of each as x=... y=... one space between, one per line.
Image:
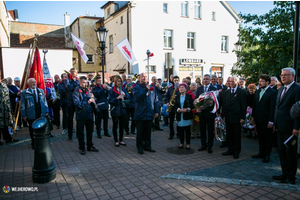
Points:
x=52 y=12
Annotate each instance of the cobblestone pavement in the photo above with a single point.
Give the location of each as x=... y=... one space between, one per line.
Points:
x=122 y=173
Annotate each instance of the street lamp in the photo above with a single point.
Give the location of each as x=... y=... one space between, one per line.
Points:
x=101 y=36
x=238 y=46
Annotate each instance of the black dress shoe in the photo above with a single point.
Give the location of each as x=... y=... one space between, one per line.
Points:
x=202 y=148
x=171 y=137
x=259 y=155
x=133 y=132
x=266 y=159
x=177 y=135
x=99 y=136
x=107 y=134
x=236 y=156
x=127 y=133
x=82 y=152
x=93 y=149
x=289 y=181
x=70 y=139
x=180 y=147
x=51 y=135
x=227 y=153
x=223 y=146
x=159 y=129
x=150 y=150
x=141 y=152
x=279 y=178
x=209 y=150
x=249 y=136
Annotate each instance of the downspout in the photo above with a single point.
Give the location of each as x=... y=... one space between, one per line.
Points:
x=79 y=57
x=128 y=6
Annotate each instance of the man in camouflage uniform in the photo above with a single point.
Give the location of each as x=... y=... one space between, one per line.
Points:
x=6 y=118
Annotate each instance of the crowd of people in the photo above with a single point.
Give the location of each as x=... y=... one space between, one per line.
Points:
x=137 y=106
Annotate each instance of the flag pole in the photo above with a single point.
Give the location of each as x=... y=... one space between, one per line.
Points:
x=24 y=80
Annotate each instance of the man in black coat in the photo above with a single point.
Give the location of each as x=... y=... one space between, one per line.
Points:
x=234 y=112
x=206 y=118
x=286 y=126
x=273 y=83
x=173 y=111
x=263 y=116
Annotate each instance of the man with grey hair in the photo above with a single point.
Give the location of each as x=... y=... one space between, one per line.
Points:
x=273 y=83
x=213 y=81
x=33 y=105
x=242 y=84
x=286 y=127
x=207 y=118
x=234 y=113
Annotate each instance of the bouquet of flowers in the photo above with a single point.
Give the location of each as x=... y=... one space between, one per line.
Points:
x=220 y=129
x=248 y=124
x=202 y=102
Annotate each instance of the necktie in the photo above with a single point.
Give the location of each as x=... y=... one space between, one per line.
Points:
x=205 y=88
x=261 y=93
x=283 y=93
x=34 y=95
x=232 y=93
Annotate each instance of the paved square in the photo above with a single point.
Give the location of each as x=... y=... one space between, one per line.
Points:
x=122 y=173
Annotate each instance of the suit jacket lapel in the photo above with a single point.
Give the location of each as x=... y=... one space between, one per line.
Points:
x=287 y=92
x=234 y=95
x=264 y=93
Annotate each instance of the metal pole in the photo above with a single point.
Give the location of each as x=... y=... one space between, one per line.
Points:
x=296 y=39
x=102 y=57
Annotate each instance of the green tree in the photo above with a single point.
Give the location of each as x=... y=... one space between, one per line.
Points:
x=266 y=50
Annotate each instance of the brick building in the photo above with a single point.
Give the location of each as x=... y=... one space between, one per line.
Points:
x=51 y=36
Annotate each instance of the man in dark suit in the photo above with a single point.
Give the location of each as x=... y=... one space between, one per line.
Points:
x=169 y=94
x=206 y=117
x=213 y=82
x=220 y=82
x=234 y=112
x=284 y=124
x=242 y=84
x=273 y=83
x=263 y=116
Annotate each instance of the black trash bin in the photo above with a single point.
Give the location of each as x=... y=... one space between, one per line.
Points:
x=43 y=170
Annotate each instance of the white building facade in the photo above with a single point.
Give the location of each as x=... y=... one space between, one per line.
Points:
x=199 y=34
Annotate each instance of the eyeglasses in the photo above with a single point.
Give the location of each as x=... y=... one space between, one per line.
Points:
x=285 y=75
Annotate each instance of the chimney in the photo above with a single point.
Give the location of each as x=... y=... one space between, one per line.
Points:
x=67 y=19
x=16 y=15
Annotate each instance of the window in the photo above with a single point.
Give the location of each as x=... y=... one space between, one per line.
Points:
x=121 y=20
x=152 y=68
x=197 y=6
x=213 y=16
x=190 y=40
x=108 y=12
x=90 y=58
x=165 y=8
x=111 y=44
x=224 y=44
x=168 y=43
x=184 y=8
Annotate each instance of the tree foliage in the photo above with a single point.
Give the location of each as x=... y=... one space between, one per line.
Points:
x=268 y=50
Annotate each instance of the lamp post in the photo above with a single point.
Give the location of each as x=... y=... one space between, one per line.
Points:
x=148 y=55
x=101 y=36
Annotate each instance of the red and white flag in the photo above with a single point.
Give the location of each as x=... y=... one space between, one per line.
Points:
x=49 y=80
x=126 y=50
x=79 y=45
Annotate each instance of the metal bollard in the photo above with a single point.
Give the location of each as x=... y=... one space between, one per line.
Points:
x=43 y=170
